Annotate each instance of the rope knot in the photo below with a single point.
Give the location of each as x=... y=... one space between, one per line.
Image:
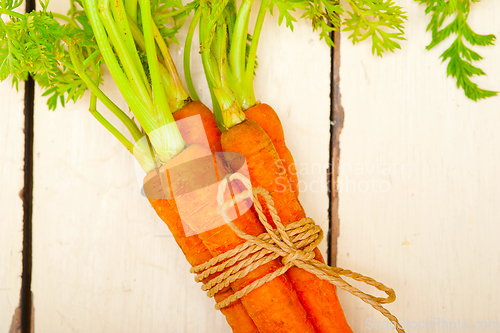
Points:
x=297 y=255
x=295 y=243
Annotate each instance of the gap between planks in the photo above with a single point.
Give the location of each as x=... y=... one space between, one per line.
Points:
x=26 y=306
x=23 y=318
x=336 y=124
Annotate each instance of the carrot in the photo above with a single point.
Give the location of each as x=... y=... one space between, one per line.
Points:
x=236 y=315
x=317 y=296
x=209 y=136
x=193 y=248
x=196 y=253
x=266 y=117
x=273 y=307
x=230 y=72
x=193 y=136
x=250 y=224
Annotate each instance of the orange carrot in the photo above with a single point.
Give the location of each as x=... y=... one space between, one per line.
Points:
x=196 y=253
x=191 y=136
x=194 y=250
x=317 y=296
x=266 y=117
x=273 y=307
x=230 y=73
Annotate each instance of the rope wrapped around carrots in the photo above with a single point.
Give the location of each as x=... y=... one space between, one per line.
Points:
x=293 y=243
x=254 y=131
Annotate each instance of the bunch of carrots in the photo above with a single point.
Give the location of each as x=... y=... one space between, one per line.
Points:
x=131 y=38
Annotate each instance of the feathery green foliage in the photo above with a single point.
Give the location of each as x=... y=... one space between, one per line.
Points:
x=460 y=56
x=36 y=44
x=170 y=16
x=378 y=20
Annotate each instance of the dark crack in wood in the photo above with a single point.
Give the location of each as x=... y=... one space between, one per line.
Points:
x=336 y=125
x=26 y=304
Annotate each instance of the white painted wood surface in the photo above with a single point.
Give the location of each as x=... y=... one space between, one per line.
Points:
x=419 y=204
x=11 y=205
x=419 y=171
x=102 y=260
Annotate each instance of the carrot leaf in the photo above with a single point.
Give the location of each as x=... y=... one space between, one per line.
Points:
x=460 y=56
x=36 y=44
x=378 y=20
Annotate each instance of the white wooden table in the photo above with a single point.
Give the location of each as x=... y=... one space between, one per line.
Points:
x=426 y=226
x=11 y=205
x=430 y=227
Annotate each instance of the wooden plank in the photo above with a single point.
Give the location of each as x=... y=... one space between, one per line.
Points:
x=11 y=205
x=102 y=260
x=419 y=170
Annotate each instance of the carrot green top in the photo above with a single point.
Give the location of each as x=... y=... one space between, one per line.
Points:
x=229 y=51
x=128 y=36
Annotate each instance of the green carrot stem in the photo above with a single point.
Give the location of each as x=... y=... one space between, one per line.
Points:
x=160 y=102
x=230 y=109
x=167 y=13
x=129 y=124
x=143 y=156
x=216 y=108
x=131 y=9
x=123 y=28
x=174 y=101
x=116 y=133
x=210 y=68
x=66 y=18
x=180 y=94
x=187 y=56
x=173 y=141
x=232 y=114
x=141 y=111
x=221 y=54
x=72 y=9
x=238 y=43
x=11 y=13
x=177 y=99
x=226 y=109
x=76 y=60
x=247 y=84
x=211 y=74
x=162 y=137
x=90 y=59
x=131 y=68
x=215 y=63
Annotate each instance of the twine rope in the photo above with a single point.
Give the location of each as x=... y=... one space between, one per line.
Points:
x=294 y=243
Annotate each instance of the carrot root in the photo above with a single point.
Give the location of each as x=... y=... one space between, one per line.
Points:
x=318 y=297
x=193 y=248
x=268 y=119
x=274 y=306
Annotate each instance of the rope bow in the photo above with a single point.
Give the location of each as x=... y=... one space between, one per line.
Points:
x=294 y=243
